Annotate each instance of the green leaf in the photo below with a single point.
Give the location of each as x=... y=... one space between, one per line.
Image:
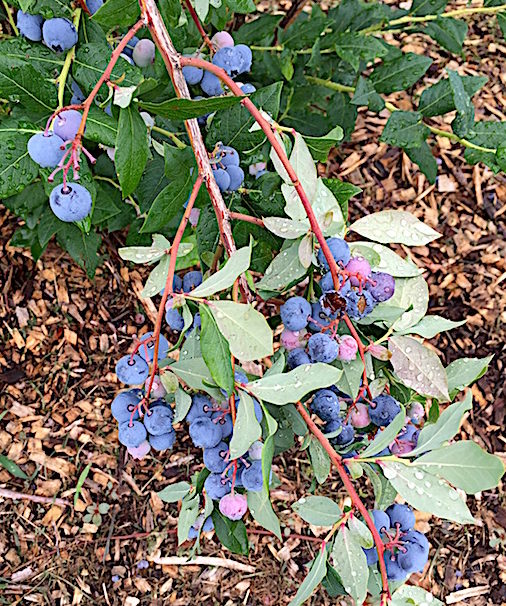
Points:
x=80 y=482
x=260 y=507
x=47 y=8
x=437 y=99
x=232 y=535
x=389 y=261
x=350 y=561
x=188 y=514
x=157 y=278
x=237 y=264
x=410 y=595
x=405 y=129
x=17 y=169
x=167 y=204
x=342 y=191
x=183 y=404
x=465 y=465
x=100 y=127
x=399 y=74
x=354 y=47
x=117 y=13
x=420 y=8
x=13 y=468
x=215 y=351
x=313 y=579
x=427 y=492
x=195 y=374
x=394 y=226
x=384 y=492
x=418 y=367
x=320 y=146
x=284 y=269
x=285 y=228
x=430 y=326
x=412 y=295
x=246 y=429
x=174 y=492
x=465 y=371
x=422 y=156
x=462 y=102
x=320 y=460
x=83 y=248
x=241 y=6
x=294 y=385
x=351 y=377
x=449 y=33
x=365 y=94
x=434 y=435
x=22 y=83
x=132 y=149
x=184 y=109
x=320 y=511
x=387 y=436
x=146 y=254
x=246 y=330
x=361 y=532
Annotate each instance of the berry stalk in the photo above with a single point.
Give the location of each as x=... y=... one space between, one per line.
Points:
x=170 y=278
x=199 y=25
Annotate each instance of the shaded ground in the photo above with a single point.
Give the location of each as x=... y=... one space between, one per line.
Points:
x=60 y=336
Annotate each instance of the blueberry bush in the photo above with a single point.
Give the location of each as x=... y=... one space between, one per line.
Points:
x=197 y=128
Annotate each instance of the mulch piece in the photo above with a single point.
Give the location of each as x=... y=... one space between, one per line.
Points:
x=61 y=335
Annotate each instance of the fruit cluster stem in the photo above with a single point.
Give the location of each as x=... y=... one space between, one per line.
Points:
x=197 y=22
x=355 y=499
x=170 y=279
x=173 y=64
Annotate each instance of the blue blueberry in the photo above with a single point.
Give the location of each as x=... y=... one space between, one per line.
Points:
x=224 y=423
x=191 y=280
x=381 y=519
x=204 y=433
x=415 y=553
x=158 y=420
x=358 y=304
x=77 y=94
x=67 y=124
x=193 y=75
x=322 y=348
x=248 y=88
x=383 y=410
x=295 y=313
x=297 y=357
x=132 y=370
x=371 y=556
x=228 y=59
x=346 y=436
x=333 y=426
x=30 y=26
x=211 y=85
x=326 y=405
x=46 y=150
x=228 y=156
x=94 y=5
x=132 y=434
x=222 y=178
x=240 y=377
x=59 y=34
x=71 y=204
x=401 y=515
x=394 y=571
x=216 y=486
x=383 y=286
x=173 y=317
x=320 y=317
x=125 y=403
x=201 y=407
x=252 y=478
x=147 y=349
x=236 y=175
x=214 y=458
x=339 y=249
x=164 y=441
x=129 y=48
x=245 y=57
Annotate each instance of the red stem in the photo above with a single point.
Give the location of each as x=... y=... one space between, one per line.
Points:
x=361 y=351
x=247 y=218
x=170 y=279
x=348 y=484
x=197 y=22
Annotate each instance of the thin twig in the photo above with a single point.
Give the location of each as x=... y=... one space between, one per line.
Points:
x=11 y=494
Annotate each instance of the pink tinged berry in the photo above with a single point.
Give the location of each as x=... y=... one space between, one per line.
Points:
x=347 y=348
x=139 y=452
x=416 y=412
x=222 y=39
x=67 y=124
x=233 y=506
x=401 y=447
x=379 y=352
x=291 y=339
x=359 y=416
x=157 y=388
x=254 y=169
x=111 y=153
x=194 y=216
x=358 y=265
x=144 y=53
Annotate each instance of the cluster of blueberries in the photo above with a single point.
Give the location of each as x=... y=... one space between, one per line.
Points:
x=210 y=428
x=361 y=289
x=235 y=59
x=406 y=550
x=225 y=161
x=344 y=418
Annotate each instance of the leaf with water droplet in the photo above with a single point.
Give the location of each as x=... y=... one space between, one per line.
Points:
x=351 y=563
x=389 y=226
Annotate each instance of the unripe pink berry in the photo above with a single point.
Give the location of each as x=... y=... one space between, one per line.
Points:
x=144 y=53
x=358 y=265
x=222 y=39
x=416 y=412
x=291 y=339
x=139 y=452
x=157 y=388
x=194 y=216
x=359 y=416
x=401 y=447
x=233 y=506
x=255 y=168
x=347 y=348
x=379 y=352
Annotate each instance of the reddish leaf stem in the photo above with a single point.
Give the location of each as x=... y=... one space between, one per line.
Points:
x=170 y=279
x=348 y=484
x=197 y=22
x=247 y=218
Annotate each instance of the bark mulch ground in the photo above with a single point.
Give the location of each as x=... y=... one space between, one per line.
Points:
x=60 y=335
